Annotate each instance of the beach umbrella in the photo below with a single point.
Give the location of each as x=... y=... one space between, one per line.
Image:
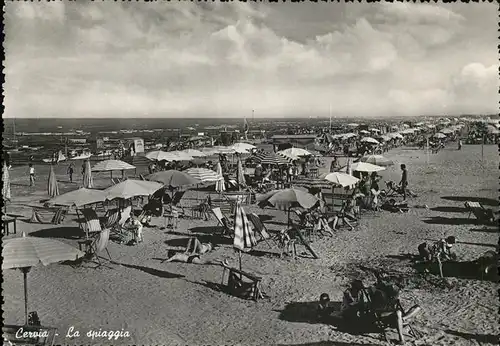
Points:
x=204 y=174
x=131 y=188
x=26 y=252
x=193 y=153
x=88 y=181
x=112 y=165
x=364 y=132
x=173 y=179
x=243 y=148
x=240 y=176
x=52 y=187
x=369 y=140
x=312 y=183
x=439 y=135
x=377 y=160
x=78 y=198
x=364 y=167
x=290 y=198
x=244 y=235
x=209 y=151
x=294 y=153
x=220 y=186
x=341 y=179
x=6 y=182
x=179 y=156
x=269 y=158
x=224 y=150
x=159 y=155
x=353 y=125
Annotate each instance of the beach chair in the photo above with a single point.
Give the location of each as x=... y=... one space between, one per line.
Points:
x=481 y=213
x=111 y=218
x=225 y=223
x=10 y=336
x=98 y=244
x=176 y=203
x=242 y=284
x=44 y=214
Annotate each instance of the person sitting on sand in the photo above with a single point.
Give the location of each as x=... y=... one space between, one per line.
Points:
x=440 y=252
x=135 y=226
x=194 y=250
x=325 y=310
x=345 y=214
x=353 y=301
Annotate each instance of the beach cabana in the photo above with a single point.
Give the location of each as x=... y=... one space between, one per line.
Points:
x=26 y=252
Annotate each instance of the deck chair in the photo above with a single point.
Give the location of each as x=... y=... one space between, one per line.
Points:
x=53 y=215
x=111 y=218
x=176 y=203
x=99 y=243
x=92 y=223
x=481 y=213
x=10 y=338
x=242 y=284
x=226 y=225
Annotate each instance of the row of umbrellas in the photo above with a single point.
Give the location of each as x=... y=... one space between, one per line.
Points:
x=190 y=154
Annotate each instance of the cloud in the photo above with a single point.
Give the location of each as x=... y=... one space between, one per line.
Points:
x=114 y=59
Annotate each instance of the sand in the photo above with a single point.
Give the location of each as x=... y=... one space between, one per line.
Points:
x=177 y=304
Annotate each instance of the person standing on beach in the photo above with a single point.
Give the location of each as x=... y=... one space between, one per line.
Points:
x=70 y=172
x=459 y=144
x=404 y=180
x=32 y=174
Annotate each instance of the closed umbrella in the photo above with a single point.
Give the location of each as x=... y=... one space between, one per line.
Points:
x=240 y=176
x=6 y=182
x=88 y=181
x=244 y=235
x=26 y=252
x=53 y=188
x=131 y=188
x=378 y=160
x=220 y=186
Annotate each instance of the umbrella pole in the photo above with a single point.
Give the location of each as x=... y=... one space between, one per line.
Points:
x=25 y=271
x=239 y=256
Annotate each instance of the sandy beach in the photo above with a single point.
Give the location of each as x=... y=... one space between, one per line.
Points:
x=178 y=304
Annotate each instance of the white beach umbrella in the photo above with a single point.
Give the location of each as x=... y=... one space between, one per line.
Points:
x=111 y=165
x=364 y=167
x=340 y=179
x=353 y=125
x=243 y=148
x=439 y=135
x=377 y=160
x=294 y=153
x=193 y=153
x=132 y=188
x=370 y=140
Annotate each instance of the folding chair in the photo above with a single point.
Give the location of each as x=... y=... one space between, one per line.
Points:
x=111 y=218
x=481 y=213
x=226 y=224
x=247 y=289
x=99 y=244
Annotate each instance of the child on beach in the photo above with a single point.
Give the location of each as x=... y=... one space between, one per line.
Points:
x=32 y=174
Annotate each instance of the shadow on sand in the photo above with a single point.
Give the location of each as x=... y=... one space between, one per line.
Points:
x=486 y=230
x=59 y=232
x=152 y=271
x=483 y=200
x=439 y=220
x=479 y=338
x=450 y=209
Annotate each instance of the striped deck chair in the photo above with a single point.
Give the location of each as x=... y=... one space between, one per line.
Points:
x=226 y=225
x=98 y=245
x=481 y=213
x=44 y=214
x=111 y=218
x=259 y=226
x=242 y=284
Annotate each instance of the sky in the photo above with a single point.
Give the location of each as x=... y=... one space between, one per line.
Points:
x=194 y=59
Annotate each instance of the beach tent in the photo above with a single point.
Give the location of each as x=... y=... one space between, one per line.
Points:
x=26 y=252
x=52 y=187
x=88 y=181
x=131 y=188
x=78 y=198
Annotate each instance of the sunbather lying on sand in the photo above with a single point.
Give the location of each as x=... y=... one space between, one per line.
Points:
x=194 y=250
x=394 y=207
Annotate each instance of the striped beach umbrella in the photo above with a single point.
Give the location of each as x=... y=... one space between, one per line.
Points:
x=204 y=174
x=52 y=187
x=26 y=252
x=173 y=179
x=312 y=183
x=244 y=235
x=268 y=158
x=220 y=186
x=88 y=181
x=6 y=182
